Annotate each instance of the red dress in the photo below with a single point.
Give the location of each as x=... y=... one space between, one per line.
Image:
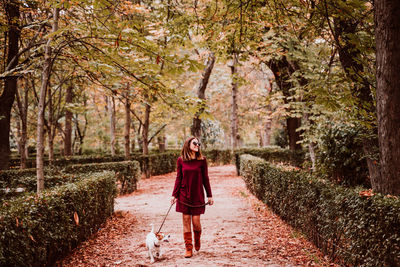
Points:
x=191 y=177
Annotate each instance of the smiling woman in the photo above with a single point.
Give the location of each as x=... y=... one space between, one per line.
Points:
x=192 y=176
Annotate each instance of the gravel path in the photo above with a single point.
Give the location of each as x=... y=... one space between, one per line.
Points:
x=238 y=230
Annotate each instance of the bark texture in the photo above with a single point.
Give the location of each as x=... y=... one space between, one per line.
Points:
x=282 y=70
x=387 y=36
x=111 y=110
x=68 y=123
x=127 y=127
x=145 y=130
x=350 y=58
x=10 y=83
x=47 y=65
x=22 y=103
x=196 y=126
x=234 y=106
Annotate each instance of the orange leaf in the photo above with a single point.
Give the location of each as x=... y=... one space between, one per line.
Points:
x=31 y=237
x=76 y=218
x=366 y=193
x=17 y=222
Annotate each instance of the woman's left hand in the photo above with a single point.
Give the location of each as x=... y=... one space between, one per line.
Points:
x=211 y=201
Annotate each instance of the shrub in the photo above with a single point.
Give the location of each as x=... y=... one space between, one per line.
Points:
x=127 y=172
x=355 y=229
x=340 y=156
x=272 y=154
x=26 y=179
x=157 y=164
x=37 y=230
x=65 y=161
x=218 y=156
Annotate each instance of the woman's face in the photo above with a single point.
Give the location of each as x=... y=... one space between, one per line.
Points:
x=194 y=145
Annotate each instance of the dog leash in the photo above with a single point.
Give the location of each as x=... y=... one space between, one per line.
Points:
x=165 y=217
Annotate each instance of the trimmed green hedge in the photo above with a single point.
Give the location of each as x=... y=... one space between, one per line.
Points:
x=219 y=156
x=127 y=172
x=157 y=164
x=65 y=161
x=36 y=231
x=354 y=229
x=272 y=154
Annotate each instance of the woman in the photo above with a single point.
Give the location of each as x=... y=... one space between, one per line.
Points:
x=192 y=176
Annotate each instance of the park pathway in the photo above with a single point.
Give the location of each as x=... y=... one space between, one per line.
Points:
x=238 y=230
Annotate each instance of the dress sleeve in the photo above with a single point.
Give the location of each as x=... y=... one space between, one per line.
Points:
x=178 y=180
x=206 y=180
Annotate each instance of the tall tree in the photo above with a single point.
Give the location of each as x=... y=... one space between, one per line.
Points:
x=68 y=122
x=234 y=105
x=22 y=104
x=7 y=97
x=47 y=66
x=201 y=89
x=127 y=127
x=111 y=110
x=387 y=36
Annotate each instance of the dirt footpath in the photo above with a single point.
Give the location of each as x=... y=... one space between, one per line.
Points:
x=238 y=230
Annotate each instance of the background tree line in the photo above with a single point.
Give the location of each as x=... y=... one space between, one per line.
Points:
x=230 y=71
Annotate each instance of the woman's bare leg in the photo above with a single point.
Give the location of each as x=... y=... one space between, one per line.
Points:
x=186 y=219
x=196 y=223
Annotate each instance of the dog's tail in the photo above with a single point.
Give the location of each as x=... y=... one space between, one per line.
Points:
x=152 y=227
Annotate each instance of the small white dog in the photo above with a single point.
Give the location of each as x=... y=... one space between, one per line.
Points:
x=153 y=243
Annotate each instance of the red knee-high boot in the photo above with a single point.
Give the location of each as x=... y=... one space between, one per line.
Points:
x=188 y=244
x=197 y=235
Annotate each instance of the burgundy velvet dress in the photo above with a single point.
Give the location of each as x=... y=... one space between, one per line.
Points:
x=191 y=177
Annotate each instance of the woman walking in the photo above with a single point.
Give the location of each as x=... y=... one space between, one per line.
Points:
x=191 y=177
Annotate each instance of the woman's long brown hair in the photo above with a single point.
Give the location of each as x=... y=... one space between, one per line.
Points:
x=186 y=151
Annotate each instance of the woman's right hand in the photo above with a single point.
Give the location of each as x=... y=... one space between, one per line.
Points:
x=173 y=200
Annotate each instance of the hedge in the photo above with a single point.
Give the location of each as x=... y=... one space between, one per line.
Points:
x=354 y=229
x=65 y=161
x=219 y=156
x=38 y=230
x=157 y=164
x=29 y=183
x=273 y=154
x=127 y=172
x=161 y=163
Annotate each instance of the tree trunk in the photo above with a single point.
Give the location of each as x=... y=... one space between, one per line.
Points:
x=22 y=104
x=387 y=37
x=10 y=82
x=133 y=142
x=127 y=128
x=145 y=130
x=234 y=106
x=145 y=139
x=68 y=123
x=41 y=106
x=161 y=142
x=294 y=136
x=282 y=70
x=50 y=129
x=111 y=110
x=80 y=133
x=266 y=133
x=350 y=59
x=196 y=126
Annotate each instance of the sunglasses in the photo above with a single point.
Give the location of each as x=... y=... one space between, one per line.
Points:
x=196 y=143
